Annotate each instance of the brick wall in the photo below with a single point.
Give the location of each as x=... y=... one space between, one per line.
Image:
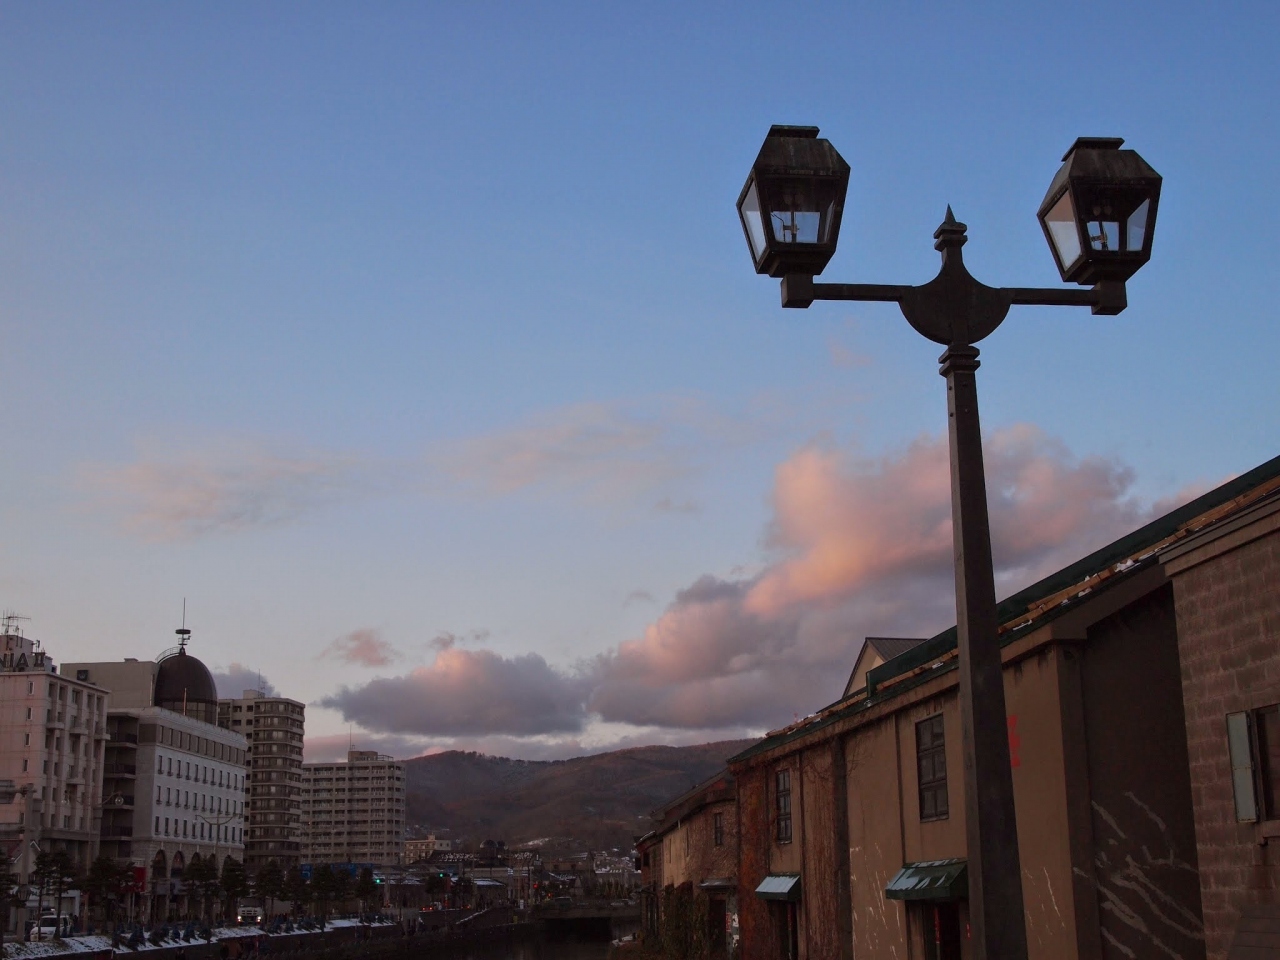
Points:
x=1228 y=611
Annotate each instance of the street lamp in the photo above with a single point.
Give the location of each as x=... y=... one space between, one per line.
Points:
x=1099 y=218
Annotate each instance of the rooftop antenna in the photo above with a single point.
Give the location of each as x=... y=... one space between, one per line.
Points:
x=183 y=633
x=11 y=627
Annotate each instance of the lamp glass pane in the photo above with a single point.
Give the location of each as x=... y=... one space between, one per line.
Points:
x=1103 y=234
x=802 y=211
x=1061 y=221
x=1136 y=227
x=754 y=222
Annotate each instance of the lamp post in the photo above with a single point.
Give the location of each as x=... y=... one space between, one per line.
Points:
x=1099 y=218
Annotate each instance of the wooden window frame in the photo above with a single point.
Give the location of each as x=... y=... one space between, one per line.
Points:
x=1255 y=785
x=717 y=829
x=782 y=806
x=931 y=768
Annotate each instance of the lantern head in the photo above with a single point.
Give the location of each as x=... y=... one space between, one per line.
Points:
x=791 y=204
x=1100 y=212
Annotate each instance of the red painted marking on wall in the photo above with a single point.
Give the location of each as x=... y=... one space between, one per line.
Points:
x=1015 y=741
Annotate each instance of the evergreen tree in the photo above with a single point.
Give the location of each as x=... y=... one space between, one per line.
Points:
x=324 y=888
x=201 y=878
x=235 y=882
x=296 y=889
x=269 y=884
x=366 y=888
x=8 y=895
x=106 y=884
x=54 y=873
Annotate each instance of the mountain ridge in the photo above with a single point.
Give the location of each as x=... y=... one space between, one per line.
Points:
x=599 y=801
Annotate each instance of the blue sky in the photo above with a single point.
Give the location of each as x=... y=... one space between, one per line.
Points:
x=426 y=335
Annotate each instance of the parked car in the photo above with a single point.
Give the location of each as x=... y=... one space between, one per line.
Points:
x=47 y=928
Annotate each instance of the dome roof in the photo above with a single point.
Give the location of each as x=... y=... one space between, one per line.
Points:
x=182 y=679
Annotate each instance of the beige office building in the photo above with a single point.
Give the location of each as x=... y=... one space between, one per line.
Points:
x=353 y=812
x=274 y=727
x=52 y=735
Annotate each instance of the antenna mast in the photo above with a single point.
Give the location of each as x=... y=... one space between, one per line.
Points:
x=183 y=633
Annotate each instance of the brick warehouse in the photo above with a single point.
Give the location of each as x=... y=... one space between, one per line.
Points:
x=1226 y=588
x=689 y=860
x=852 y=838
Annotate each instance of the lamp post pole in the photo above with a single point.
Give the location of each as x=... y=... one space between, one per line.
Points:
x=1099 y=218
x=956 y=310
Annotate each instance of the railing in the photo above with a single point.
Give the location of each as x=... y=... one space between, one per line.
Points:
x=120 y=769
x=117 y=831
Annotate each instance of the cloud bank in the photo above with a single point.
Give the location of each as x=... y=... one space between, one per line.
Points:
x=237 y=678
x=469 y=692
x=860 y=547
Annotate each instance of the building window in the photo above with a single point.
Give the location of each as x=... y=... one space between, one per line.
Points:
x=931 y=765
x=782 y=805
x=717 y=829
x=1253 y=740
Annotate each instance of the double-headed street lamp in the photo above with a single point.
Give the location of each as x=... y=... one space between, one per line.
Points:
x=1099 y=217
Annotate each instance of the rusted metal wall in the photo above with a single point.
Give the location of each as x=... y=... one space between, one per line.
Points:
x=875 y=841
x=1144 y=841
x=816 y=838
x=759 y=941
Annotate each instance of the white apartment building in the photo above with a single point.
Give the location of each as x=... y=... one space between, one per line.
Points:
x=274 y=728
x=353 y=812
x=52 y=737
x=174 y=782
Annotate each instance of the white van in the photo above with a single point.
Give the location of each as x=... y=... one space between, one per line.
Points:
x=248 y=914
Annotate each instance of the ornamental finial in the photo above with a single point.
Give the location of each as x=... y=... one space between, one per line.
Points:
x=951 y=233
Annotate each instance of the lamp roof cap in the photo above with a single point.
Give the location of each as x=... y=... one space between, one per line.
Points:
x=1094 y=143
x=798 y=133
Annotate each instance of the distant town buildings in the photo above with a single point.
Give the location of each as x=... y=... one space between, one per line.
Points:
x=274 y=728
x=422 y=848
x=353 y=812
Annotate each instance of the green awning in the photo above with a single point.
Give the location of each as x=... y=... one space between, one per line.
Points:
x=780 y=886
x=930 y=880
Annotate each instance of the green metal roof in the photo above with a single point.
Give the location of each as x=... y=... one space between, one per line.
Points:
x=1021 y=602
x=780 y=886
x=930 y=880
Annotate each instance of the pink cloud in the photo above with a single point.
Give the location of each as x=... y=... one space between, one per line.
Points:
x=864 y=548
x=860 y=547
x=364 y=648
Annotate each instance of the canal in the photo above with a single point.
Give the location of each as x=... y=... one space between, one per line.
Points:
x=539 y=946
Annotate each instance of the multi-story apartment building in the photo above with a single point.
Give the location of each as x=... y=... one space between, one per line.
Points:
x=274 y=727
x=52 y=737
x=173 y=782
x=353 y=812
